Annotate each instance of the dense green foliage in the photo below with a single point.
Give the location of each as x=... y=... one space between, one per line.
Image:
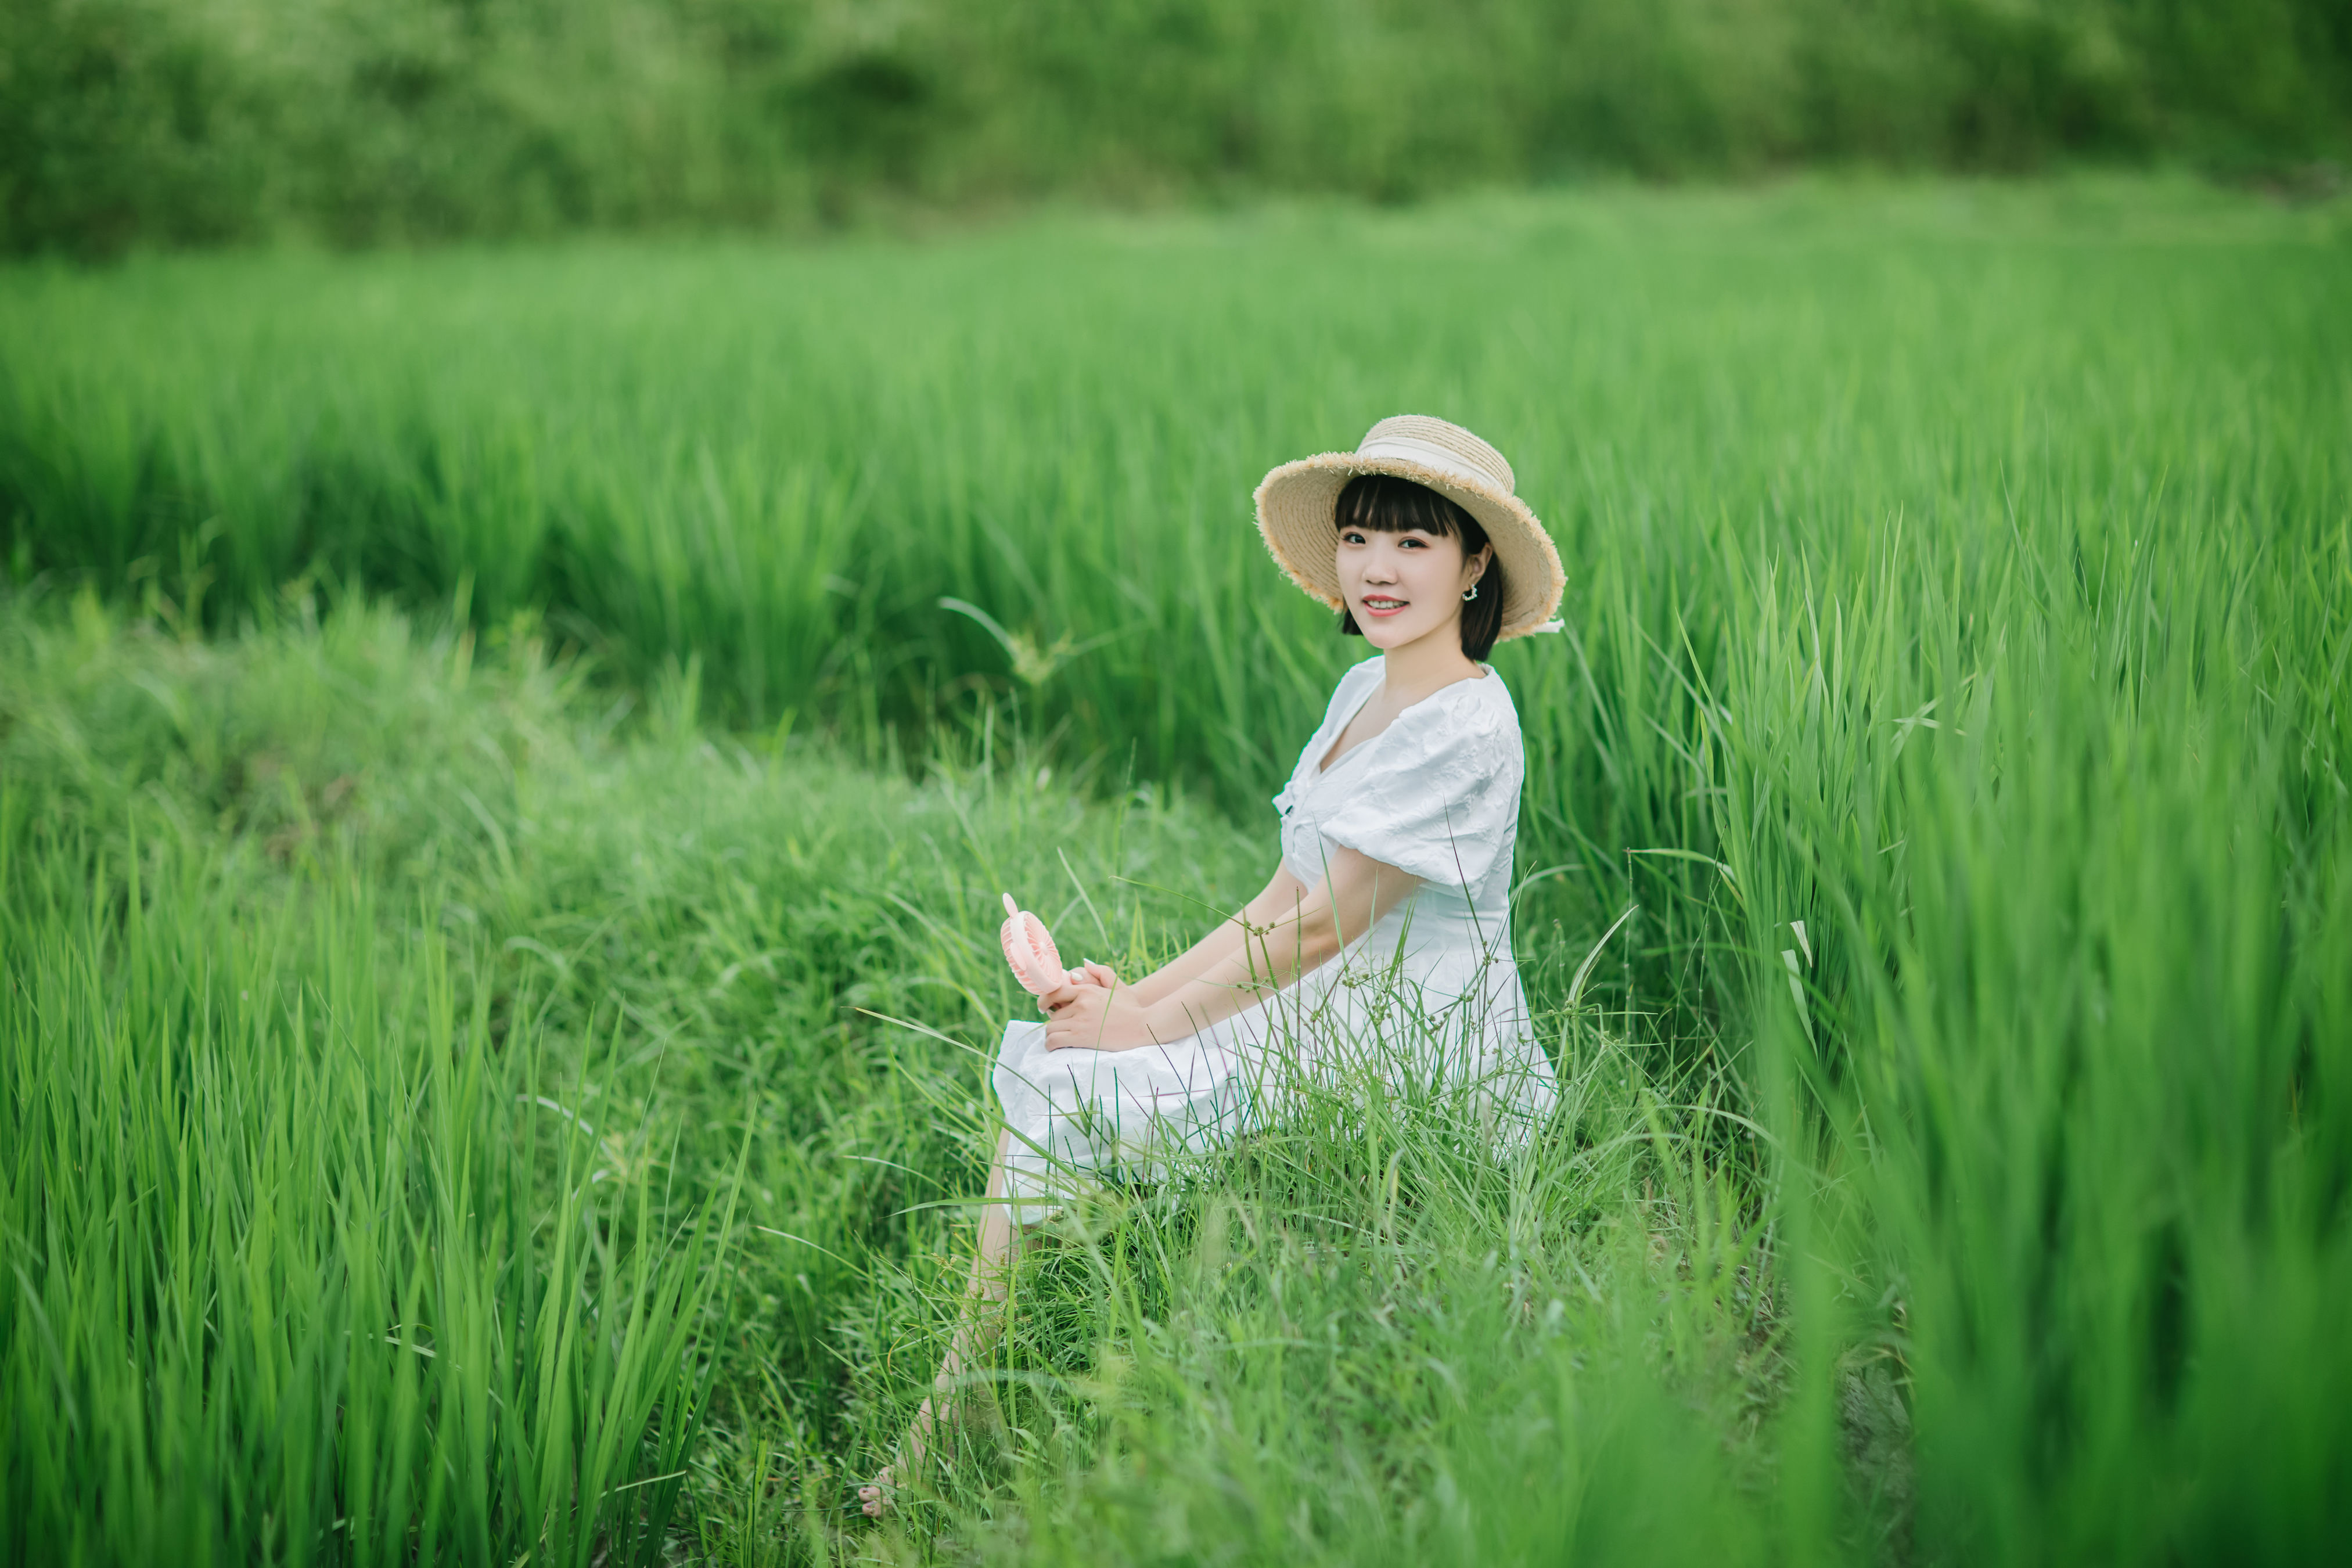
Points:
x=143 y=121
x=1960 y=1164
x=305 y=1265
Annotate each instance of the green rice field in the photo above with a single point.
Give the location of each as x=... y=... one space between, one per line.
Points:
x=507 y=757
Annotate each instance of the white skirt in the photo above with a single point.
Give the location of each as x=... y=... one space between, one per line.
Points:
x=1076 y=1116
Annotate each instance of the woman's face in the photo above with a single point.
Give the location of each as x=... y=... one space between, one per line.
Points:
x=1402 y=588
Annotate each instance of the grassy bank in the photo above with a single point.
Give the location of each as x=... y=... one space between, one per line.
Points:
x=1956 y=680
x=442 y=1127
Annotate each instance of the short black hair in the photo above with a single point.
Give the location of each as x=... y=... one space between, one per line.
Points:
x=1383 y=503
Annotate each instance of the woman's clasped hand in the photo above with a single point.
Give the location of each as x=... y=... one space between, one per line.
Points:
x=1099 y=1015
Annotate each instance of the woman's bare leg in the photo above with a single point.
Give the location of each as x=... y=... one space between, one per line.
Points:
x=1000 y=1239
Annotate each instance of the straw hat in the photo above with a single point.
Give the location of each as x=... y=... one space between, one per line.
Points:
x=1297 y=512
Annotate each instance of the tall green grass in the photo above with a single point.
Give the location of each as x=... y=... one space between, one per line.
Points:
x=1959 y=620
x=310 y=1261
x=781 y=462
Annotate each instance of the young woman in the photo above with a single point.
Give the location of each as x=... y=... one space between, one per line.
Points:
x=1397 y=831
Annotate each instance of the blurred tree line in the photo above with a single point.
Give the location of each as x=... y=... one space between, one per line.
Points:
x=163 y=121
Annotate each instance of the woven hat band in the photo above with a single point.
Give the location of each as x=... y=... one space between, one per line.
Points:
x=1411 y=451
x=1440 y=445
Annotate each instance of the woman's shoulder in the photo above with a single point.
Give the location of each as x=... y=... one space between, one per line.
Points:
x=1450 y=740
x=1480 y=706
x=1443 y=779
x=1491 y=694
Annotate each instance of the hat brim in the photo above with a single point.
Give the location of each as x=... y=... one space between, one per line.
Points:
x=1297 y=508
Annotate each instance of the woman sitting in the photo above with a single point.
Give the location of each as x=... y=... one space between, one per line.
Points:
x=1397 y=829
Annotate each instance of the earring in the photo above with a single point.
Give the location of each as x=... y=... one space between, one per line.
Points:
x=1471 y=594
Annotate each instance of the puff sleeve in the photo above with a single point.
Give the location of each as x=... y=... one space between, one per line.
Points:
x=1438 y=796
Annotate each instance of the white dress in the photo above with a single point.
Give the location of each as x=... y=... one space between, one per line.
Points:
x=1430 y=992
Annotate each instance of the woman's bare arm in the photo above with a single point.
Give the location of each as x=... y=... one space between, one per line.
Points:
x=1286 y=931
x=1283 y=891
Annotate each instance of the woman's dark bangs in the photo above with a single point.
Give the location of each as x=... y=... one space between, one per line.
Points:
x=1382 y=503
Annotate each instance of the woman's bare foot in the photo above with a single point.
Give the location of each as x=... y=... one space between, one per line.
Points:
x=880 y=1496
x=877 y=1496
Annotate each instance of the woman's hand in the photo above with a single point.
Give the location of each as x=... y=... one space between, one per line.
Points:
x=1096 y=1017
x=1089 y=974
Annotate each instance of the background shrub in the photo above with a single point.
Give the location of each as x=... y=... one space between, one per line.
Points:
x=127 y=122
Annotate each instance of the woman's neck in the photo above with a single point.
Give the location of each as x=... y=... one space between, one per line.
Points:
x=1426 y=664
